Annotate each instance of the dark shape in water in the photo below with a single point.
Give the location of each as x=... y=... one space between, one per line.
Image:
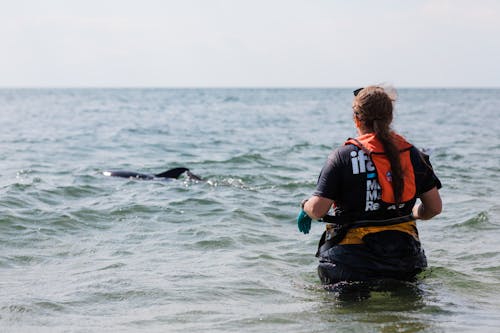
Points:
x=169 y=174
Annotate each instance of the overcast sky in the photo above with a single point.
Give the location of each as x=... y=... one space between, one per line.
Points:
x=249 y=43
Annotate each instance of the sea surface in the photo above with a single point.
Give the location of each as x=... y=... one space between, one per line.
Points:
x=81 y=252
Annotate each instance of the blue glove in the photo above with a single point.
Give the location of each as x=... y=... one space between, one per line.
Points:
x=304 y=222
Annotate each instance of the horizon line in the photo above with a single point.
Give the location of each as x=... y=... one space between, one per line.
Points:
x=238 y=87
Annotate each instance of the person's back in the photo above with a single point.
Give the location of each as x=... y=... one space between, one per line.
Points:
x=372 y=183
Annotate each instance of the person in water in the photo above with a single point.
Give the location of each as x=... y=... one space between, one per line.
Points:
x=371 y=185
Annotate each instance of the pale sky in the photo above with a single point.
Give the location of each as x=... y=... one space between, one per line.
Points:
x=249 y=43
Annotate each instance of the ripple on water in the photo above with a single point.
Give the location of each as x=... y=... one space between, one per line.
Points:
x=214 y=244
x=480 y=221
x=462 y=282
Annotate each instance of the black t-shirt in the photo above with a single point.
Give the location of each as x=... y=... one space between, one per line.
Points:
x=347 y=179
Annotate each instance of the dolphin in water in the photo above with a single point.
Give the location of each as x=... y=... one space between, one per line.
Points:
x=169 y=174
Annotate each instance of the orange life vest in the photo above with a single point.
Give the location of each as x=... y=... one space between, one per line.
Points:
x=374 y=149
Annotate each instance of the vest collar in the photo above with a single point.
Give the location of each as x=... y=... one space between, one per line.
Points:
x=370 y=142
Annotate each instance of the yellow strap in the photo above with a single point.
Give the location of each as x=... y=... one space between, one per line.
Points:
x=355 y=235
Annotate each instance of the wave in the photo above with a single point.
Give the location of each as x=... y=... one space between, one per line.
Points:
x=480 y=221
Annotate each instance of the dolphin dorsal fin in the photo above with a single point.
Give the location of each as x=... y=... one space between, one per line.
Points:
x=172 y=173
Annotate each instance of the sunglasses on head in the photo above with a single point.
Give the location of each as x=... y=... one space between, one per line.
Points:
x=356 y=92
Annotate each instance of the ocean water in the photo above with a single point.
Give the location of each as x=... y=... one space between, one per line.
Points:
x=80 y=252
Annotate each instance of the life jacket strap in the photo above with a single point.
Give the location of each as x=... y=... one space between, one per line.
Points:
x=354 y=222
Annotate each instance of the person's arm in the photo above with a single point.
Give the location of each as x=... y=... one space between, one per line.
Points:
x=317 y=207
x=430 y=205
